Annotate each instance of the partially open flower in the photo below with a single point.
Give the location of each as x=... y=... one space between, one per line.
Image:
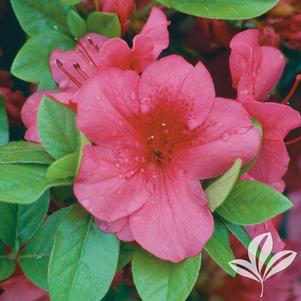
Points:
x=71 y=69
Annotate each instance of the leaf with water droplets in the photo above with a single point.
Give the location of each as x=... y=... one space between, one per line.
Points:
x=221 y=9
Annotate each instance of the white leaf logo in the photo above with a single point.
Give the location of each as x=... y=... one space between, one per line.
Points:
x=259 y=252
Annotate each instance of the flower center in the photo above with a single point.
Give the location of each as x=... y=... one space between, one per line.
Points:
x=164 y=132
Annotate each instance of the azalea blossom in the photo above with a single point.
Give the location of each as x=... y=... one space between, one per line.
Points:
x=154 y=137
x=71 y=69
x=255 y=69
x=255 y=72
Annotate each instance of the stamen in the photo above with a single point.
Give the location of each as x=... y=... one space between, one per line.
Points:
x=293 y=90
x=85 y=53
x=77 y=68
x=72 y=78
x=92 y=43
x=293 y=141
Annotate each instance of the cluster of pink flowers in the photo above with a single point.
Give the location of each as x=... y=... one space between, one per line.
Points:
x=157 y=130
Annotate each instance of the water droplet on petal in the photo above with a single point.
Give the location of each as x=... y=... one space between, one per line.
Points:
x=226 y=136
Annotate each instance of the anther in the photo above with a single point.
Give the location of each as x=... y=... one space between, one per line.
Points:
x=77 y=68
x=92 y=43
x=293 y=90
x=85 y=53
x=72 y=78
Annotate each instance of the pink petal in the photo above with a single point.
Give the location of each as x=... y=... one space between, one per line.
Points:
x=190 y=89
x=277 y=120
x=272 y=162
x=108 y=187
x=119 y=226
x=221 y=141
x=88 y=59
x=116 y=53
x=175 y=222
x=29 y=115
x=103 y=111
x=155 y=29
x=255 y=69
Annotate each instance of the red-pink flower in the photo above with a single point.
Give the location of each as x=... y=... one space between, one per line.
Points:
x=255 y=72
x=20 y=288
x=154 y=137
x=255 y=69
x=123 y=8
x=71 y=69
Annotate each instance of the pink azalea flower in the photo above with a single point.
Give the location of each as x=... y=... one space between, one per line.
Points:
x=255 y=69
x=154 y=137
x=71 y=69
x=255 y=72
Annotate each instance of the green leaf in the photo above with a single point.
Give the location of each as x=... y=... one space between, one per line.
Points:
x=39 y=17
x=83 y=260
x=57 y=128
x=32 y=61
x=125 y=255
x=24 y=152
x=25 y=183
x=160 y=280
x=7 y=267
x=47 y=83
x=106 y=24
x=20 y=222
x=222 y=9
x=218 y=247
x=218 y=191
x=70 y=2
x=251 y=202
x=34 y=258
x=63 y=168
x=76 y=24
x=239 y=232
x=4 y=130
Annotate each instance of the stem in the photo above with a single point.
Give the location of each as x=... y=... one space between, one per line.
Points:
x=262 y=289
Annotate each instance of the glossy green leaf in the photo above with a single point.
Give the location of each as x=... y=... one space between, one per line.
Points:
x=57 y=128
x=32 y=61
x=7 y=266
x=160 y=280
x=76 y=24
x=25 y=183
x=47 y=83
x=251 y=202
x=218 y=191
x=20 y=222
x=106 y=24
x=34 y=258
x=218 y=247
x=39 y=17
x=24 y=152
x=83 y=260
x=63 y=168
x=222 y=9
x=125 y=255
x=70 y=2
x=4 y=130
x=239 y=232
